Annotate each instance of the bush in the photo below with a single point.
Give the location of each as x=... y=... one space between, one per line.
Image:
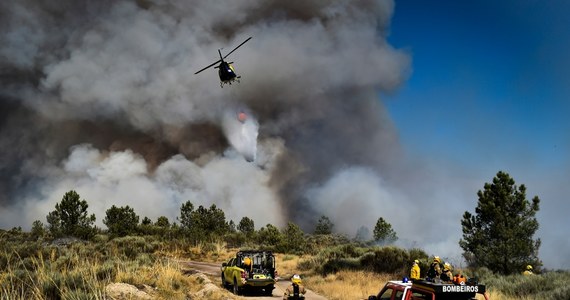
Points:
x=75 y=281
x=132 y=246
x=387 y=260
x=552 y=285
x=350 y=256
x=106 y=271
x=343 y=251
x=51 y=286
x=335 y=265
x=311 y=263
x=316 y=243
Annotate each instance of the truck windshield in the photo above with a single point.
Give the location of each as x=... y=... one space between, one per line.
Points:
x=387 y=294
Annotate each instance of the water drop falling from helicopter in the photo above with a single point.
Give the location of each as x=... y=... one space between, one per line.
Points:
x=241 y=130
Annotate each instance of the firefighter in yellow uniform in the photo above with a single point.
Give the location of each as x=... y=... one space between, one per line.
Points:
x=435 y=268
x=447 y=275
x=247 y=263
x=296 y=290
x=415 y=271
x=528 y=270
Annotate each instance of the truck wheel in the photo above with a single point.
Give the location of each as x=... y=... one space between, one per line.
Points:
x=268 y=291
x=236 y=288
x=224 y=283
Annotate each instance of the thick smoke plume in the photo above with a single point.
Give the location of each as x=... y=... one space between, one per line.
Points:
x=101 y=97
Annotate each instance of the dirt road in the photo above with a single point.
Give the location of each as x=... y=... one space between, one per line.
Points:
x=214 y=270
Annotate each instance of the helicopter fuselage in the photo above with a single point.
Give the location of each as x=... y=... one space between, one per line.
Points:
x=226 y=72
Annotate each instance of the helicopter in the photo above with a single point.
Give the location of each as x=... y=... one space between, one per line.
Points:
x=226 y=71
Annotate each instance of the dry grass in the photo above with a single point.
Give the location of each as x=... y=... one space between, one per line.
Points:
x=500 y=296
x=76 y=273
x=361 y=284
x=49 y=278
x=217 y=252
x=82 y=271
x=164 y=275
x=347 y=284
x=286 y=264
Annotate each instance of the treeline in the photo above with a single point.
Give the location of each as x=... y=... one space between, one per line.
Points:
x=195 y=225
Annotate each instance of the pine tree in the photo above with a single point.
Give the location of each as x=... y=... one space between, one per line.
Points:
x=162 y=221
x=121 y=221
x=500 y=234
x=146 y=221
x=293 y=238
x=186 y=211
x=324 y=226
x=246 y=226
x=70 y=217
x=37 y=230
x=269 y=236
x=383 y=232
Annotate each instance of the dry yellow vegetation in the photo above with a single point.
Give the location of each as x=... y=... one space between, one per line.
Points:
x=347 y=284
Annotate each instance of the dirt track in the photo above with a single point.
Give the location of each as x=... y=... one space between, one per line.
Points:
x=213 y=269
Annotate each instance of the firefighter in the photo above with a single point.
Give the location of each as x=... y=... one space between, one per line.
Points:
x=459 y=279
x=296 y=290
x=528 y=270
x=446 y=275
x=248 y=263
x=415 y=271
x=435 y=268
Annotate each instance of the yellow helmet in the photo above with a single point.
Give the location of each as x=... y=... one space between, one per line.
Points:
x=247 y=261
x=436 y=258
x=296 y=279
x=417 y=261
x=528 y=267
x=447 y=266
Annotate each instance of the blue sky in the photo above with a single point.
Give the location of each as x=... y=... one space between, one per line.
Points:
x=490 y=90
x=487 y=79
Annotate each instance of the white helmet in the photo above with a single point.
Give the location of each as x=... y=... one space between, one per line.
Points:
x=296 y=279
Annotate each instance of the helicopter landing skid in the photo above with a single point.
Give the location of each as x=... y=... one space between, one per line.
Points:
x=230 y=82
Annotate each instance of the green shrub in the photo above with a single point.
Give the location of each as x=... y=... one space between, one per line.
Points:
x=145 y=259
x=76 y=281
x=51 y=286
x=342 y=251
x=311 y=263
x=287 y=257
x=561 y=292
x=316 y=243
x=551 y=285
x=63 y=262
x=416 y=253
x=335 y=265
x=208 y=248
x=387 y=260
x=106 y=271
x=132 y=246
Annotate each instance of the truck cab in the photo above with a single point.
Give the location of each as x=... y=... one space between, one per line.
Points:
x=426 y=290
x=393 y=290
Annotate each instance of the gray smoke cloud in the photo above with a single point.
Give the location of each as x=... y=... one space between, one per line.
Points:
x=101 y=97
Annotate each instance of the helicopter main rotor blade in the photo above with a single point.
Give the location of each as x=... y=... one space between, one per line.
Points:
x=208 y=67
x=249 y=38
